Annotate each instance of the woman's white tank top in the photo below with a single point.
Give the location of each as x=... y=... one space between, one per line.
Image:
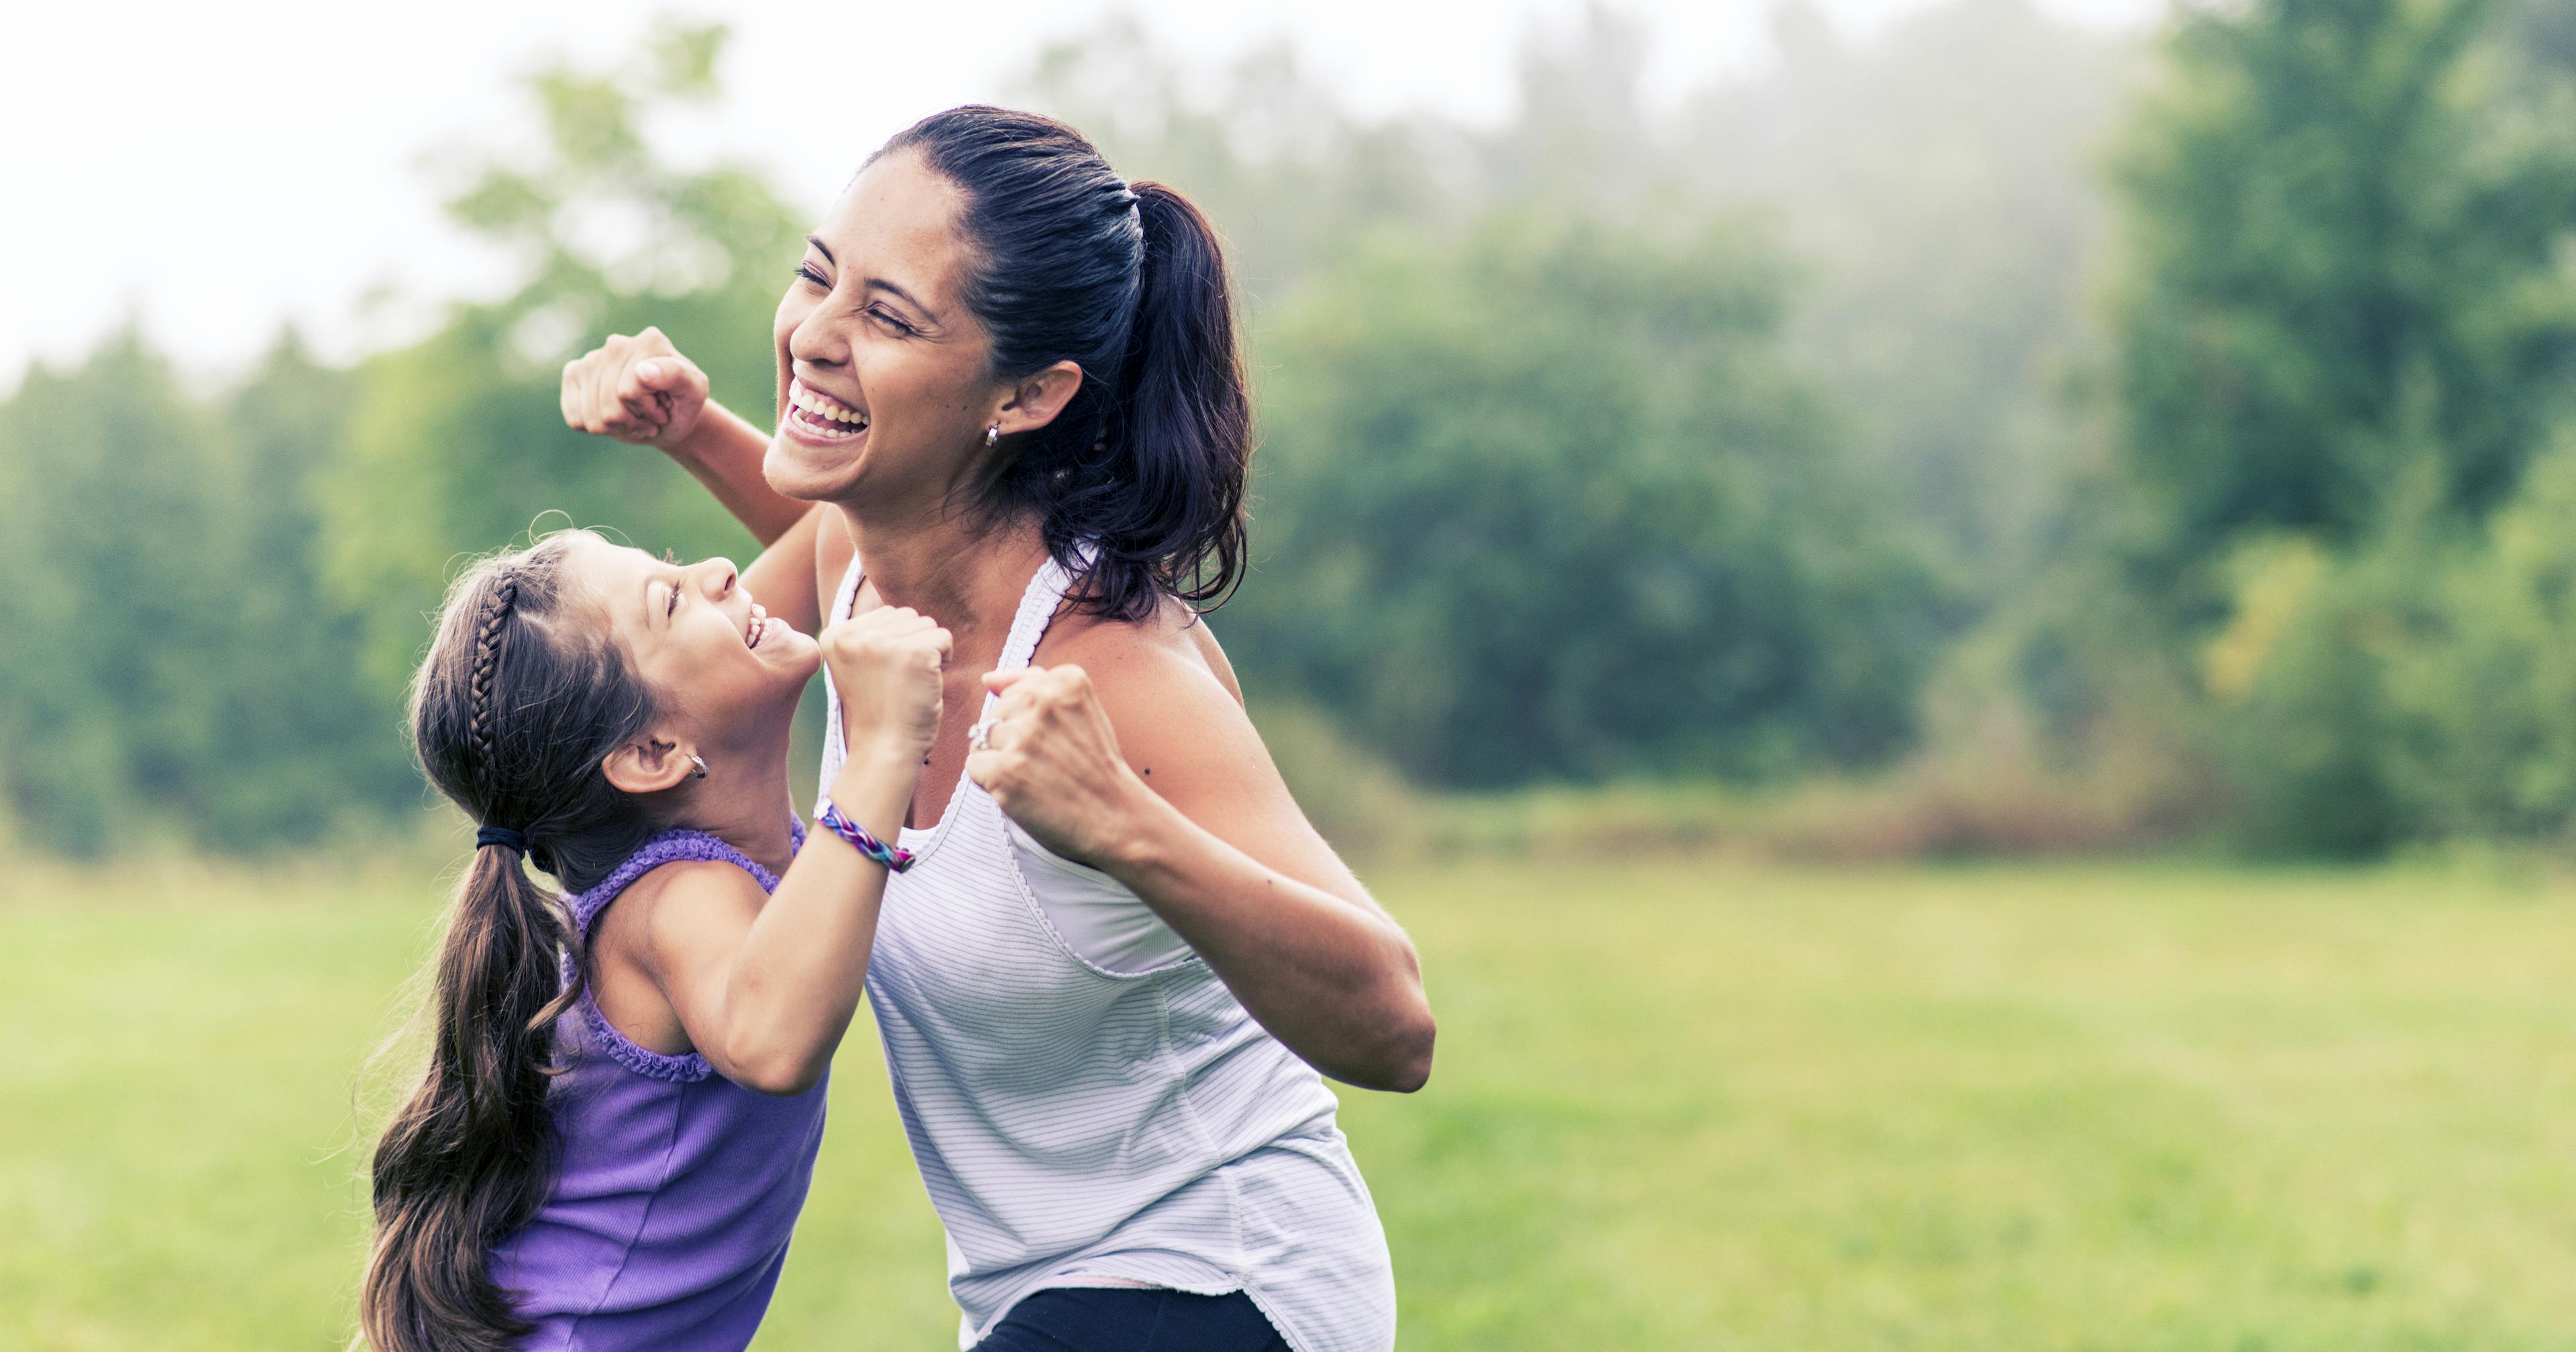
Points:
x=1088 y=1103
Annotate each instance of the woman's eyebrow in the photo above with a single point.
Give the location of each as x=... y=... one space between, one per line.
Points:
x=907 y=297
x=878 y=283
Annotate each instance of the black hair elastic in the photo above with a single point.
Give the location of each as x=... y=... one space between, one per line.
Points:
x=500 y=835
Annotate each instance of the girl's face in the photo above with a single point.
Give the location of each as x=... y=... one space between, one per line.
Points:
x=884 y=370
x=723 y=672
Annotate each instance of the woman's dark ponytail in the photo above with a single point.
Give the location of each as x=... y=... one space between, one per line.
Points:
x=512 y=714
x=1145 y=466
x=1180 y=429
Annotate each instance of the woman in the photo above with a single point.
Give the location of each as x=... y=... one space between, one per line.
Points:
x=1105 y=988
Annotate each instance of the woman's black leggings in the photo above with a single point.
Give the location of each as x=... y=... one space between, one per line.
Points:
x=1133 y=1319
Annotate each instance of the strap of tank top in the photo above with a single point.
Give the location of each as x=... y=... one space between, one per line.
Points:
x=668 y=847
x=1037 y=610
x=848 y=596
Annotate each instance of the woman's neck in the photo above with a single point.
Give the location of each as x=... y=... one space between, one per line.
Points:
x=967 y=579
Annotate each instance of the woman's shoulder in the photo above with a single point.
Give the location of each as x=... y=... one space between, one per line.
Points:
x=1171 y=653
x=1164 y=683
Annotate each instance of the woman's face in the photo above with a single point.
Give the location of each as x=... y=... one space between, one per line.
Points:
x=886 y=374
x=720 y=668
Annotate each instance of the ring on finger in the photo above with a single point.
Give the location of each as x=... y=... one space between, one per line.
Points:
x=980 y=736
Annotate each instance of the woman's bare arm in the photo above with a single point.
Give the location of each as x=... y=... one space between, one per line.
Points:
x=641 y=391
x=723 y=452
x=1152 y=774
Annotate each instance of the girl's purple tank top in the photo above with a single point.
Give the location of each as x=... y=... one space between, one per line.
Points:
x=675 y=1189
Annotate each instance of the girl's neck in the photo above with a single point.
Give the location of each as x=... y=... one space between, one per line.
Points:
x=746 y=802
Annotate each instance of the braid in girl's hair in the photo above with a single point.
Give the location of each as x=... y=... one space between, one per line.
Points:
x=520 y=700
x=487 y=642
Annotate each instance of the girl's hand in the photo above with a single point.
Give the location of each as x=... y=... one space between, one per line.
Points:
x=639 y=390
x=1051 y=761
x=885 y=665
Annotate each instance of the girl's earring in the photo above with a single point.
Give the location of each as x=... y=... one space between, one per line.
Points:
x=992 y=436
x=701 y=771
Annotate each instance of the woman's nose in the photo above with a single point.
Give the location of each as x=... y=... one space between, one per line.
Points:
x=719 y=577
x=819 y=339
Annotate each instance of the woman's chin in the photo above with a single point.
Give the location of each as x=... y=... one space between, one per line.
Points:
x=809 y=473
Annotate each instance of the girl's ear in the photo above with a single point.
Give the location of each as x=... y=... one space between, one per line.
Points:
x=1036 y=400
x=647 y=765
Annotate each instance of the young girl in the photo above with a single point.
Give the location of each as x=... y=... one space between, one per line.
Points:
x=623 y=1105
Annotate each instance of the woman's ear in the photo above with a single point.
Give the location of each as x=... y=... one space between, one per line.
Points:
x=647 y=765
x=1039 y=397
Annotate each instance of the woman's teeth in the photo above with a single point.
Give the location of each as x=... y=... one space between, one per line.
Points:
x=822 y=414
x=759 y=626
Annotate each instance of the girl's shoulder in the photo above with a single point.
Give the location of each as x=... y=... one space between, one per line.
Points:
x=682 y=906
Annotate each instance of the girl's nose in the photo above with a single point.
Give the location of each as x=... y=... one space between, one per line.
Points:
x=720 y=577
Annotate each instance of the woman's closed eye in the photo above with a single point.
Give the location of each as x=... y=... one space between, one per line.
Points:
x=891 y=320
x=811 y=277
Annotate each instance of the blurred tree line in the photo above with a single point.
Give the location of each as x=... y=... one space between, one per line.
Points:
x=2169 y=428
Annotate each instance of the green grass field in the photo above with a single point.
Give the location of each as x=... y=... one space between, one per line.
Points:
x=1677 y=1105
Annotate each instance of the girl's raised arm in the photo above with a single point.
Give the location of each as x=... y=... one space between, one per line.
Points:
x=766 y=986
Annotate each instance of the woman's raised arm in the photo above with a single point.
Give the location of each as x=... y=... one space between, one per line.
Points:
x=641 y=391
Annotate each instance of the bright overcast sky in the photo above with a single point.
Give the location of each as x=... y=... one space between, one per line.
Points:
x=220 y=168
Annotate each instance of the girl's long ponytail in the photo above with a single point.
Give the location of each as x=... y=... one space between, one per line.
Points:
x=468 y=1160
x=514 y=710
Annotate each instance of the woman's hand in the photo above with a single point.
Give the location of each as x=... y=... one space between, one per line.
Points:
x=885 y=665
x=639 y=390
x=1051 y=761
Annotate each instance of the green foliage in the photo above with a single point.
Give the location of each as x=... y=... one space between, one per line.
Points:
x=229 y=592
x=458 y=440
x=1549 y=502
x=2344 y=257
x=2421 y=687
x=2344 y=328
x=2485 y=695
x=176 y=670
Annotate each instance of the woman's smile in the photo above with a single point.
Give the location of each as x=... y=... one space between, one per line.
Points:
x=819 y=419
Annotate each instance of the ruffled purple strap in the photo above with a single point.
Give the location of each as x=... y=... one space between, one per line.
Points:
x=664 y=848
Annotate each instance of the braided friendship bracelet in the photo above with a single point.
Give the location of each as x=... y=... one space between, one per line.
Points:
x=895 y=858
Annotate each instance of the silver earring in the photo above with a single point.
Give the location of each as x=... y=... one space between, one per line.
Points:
x=992 y=436
x=701 y=771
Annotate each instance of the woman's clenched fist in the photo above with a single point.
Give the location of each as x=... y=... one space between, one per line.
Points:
x=638 y=390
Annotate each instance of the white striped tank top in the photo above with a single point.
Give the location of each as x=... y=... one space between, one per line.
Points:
x=1088 y=1103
